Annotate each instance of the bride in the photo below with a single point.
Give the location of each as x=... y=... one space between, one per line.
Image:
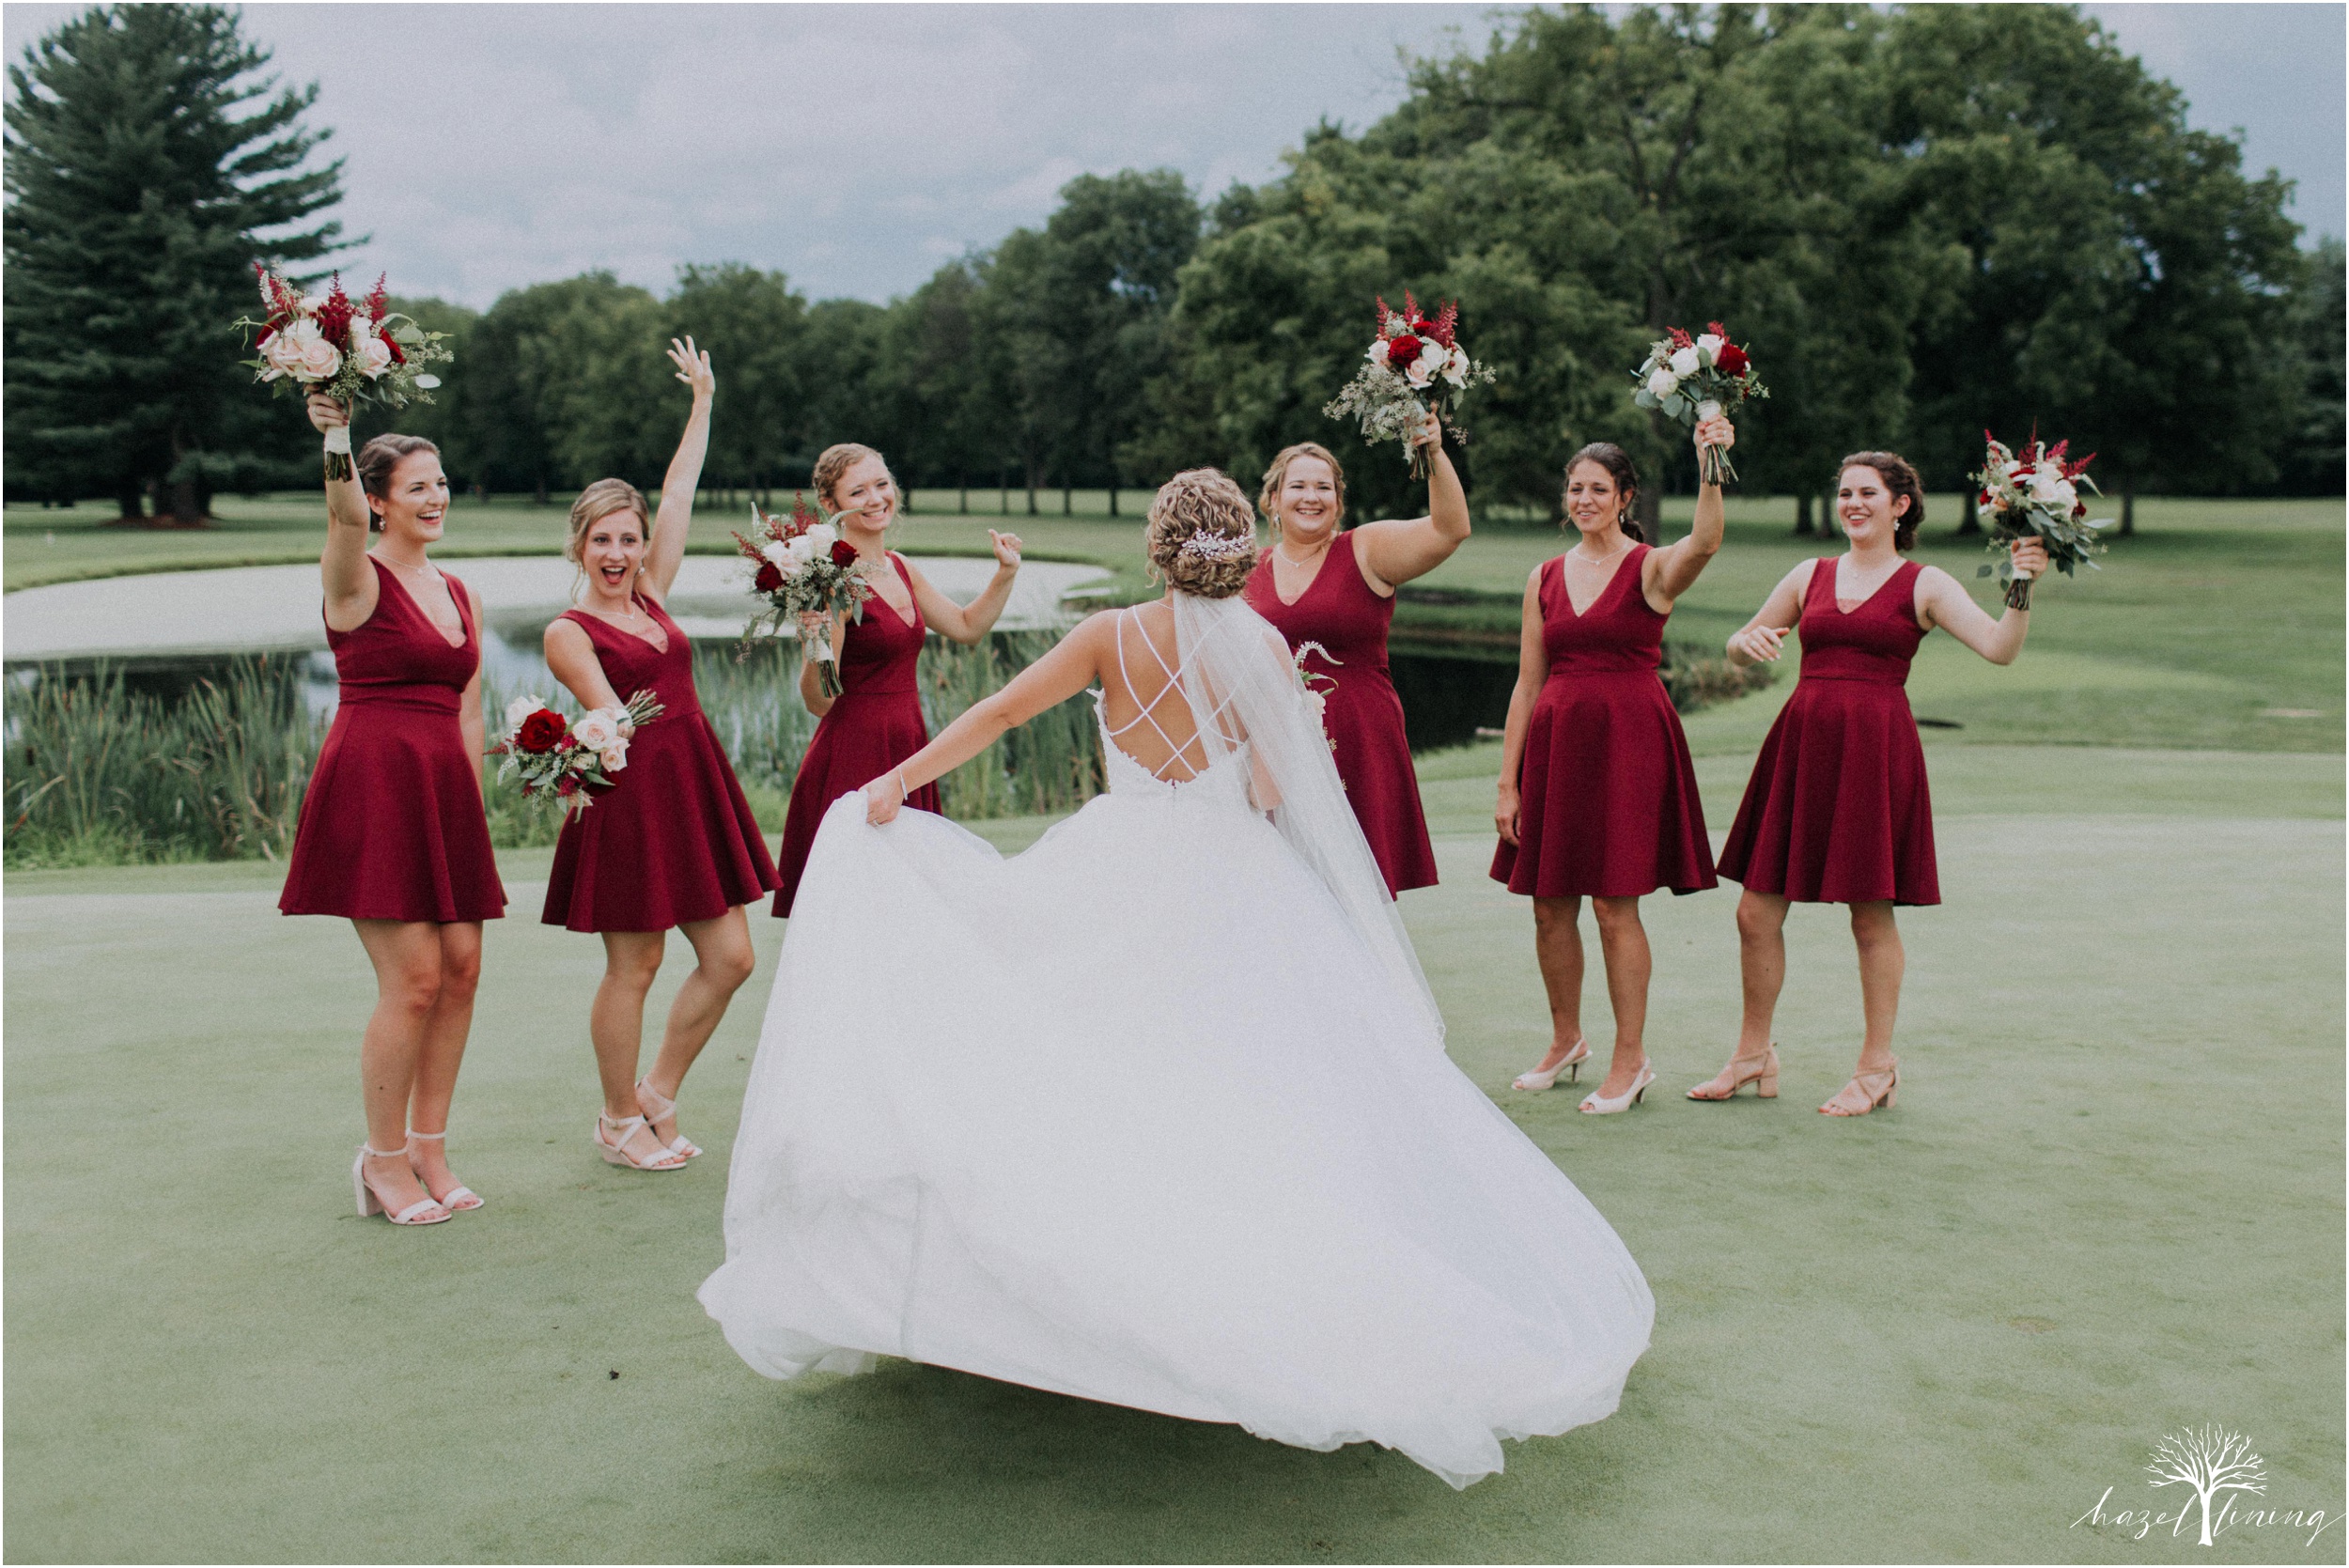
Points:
x=1158 y=1112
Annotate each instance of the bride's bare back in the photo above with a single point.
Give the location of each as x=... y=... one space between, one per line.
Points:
x=1142 y=704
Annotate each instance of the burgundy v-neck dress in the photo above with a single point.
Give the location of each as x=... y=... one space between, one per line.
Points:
x=391 y=825
x=1837 y=811
x=673 y=839
x=1362 y=713
x=873 y=726
x=1607 y=796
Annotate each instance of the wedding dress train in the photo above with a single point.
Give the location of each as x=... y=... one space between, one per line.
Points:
x=1142 y=1115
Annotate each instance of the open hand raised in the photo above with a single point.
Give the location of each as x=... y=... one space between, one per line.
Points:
x=692 y=367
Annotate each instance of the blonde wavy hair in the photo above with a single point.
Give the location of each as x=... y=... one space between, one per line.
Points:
x=836 y=460
x=1201 y=509
x=1268 y=498
x=598 y=502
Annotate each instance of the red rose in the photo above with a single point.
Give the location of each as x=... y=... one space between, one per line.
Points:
x=1731 y=361
x=393 y=344
x=843 y=553
x=542 y=732
x=769 y=577
x=1401 y=350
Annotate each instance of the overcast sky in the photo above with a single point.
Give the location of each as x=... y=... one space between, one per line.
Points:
x=858 y=146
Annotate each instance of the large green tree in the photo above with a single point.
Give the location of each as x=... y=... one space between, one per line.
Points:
x=2120 y=280
x=148 y=166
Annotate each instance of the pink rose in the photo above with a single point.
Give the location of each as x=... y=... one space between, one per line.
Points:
x=373 y=354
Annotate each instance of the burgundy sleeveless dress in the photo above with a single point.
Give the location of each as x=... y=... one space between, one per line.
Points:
x=874 y=724
x=1608 y=805
x=1362 y=713
x=673 y=839
x=391 y=825
x=1837 y=811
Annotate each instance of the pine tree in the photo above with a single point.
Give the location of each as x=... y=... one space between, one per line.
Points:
x=140 y=187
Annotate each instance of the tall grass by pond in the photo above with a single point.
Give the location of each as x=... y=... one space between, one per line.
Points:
x=98 y=772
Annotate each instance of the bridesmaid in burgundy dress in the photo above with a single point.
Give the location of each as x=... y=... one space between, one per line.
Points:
x=672 y=842
x=1343 y=598
x=1837 y=811
x=1598 y=795
x=393 y=836
x=875 y=721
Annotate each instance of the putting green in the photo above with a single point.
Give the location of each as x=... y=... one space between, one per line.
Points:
x=2107 y=1206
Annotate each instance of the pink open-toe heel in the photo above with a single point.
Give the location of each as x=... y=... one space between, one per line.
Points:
x=1865 y=1093
x=457 y=1199
x=1571 y=1064
x=658 y=1107
x=423 y=1211
x=1762 y=1072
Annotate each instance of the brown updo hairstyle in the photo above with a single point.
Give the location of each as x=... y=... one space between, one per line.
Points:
x=1202 y=503
x=598 y=502
x=375 y=463
x=1268 y=498
x=836 y=460
x=1900 y=479
x=1617 y=462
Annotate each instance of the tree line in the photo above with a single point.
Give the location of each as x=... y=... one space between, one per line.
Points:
x=1923 y=221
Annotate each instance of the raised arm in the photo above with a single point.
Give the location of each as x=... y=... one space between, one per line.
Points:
x=676 y=519
x=1532 y=670
x=1074 y=663
x=343 y=569
x=1947 y=605
x=1761 y=638
x=967 y=623
x=1397 y=550
x=1671 y=571
x=571 y=655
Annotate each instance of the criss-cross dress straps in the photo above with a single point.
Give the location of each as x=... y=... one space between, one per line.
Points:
x=1147 y=713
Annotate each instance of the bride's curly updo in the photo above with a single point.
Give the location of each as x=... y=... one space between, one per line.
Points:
x=1202 y=535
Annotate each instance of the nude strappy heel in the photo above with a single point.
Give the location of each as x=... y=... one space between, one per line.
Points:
x=1866 y=1092
x=1571 y=1065
x=614 y=1150
x=656 y=1105
x=423 y=1211
x=1764 y=1077
x=459 y=1198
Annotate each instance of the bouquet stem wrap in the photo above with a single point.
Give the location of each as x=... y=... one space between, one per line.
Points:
x=338 y=453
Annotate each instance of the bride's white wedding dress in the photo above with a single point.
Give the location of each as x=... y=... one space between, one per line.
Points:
x=1155 y=1113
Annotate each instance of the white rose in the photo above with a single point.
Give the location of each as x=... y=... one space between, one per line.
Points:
x=2010 y=468
x=1377 y=353
x=1685 y=361
x=520 y=709
x=2049 y=489
x=799 y=552
x=614 y=758
x=595 y=731
x=1662 y=385
x=1709 y=344
x=824 y=534
x=373 y=354
x=778 y=553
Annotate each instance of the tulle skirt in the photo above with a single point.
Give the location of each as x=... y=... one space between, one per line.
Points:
x=1135 y=1116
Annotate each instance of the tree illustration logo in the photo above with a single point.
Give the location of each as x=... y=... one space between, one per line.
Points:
x=2211 y=1460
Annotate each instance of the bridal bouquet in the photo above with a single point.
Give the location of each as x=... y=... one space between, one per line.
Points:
x=561 y=759
x=2035 y=495
x=351 y=352
x=1414 y=367
x=1696 y=379
x=799 y=565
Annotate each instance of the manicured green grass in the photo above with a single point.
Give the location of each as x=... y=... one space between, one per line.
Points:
x=2107 y=1204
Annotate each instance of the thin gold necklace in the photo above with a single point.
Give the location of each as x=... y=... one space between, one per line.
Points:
x=1322 y=550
